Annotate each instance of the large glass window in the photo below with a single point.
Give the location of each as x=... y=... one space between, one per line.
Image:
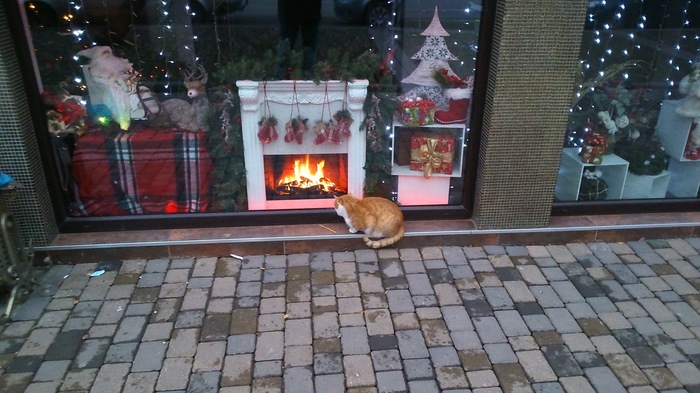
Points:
x=634 y=129
x=186 y=106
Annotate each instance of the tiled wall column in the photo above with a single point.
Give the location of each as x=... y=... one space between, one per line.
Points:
x=19 y=151
x=531 y=82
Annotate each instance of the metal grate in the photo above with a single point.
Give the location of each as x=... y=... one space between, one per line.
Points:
x=531 y=83
x=19 y=151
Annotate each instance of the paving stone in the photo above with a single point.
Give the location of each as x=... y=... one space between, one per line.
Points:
x=498 y=298
x=546 y=296
x=603 y=379
x=334 y=383
x=547 y=338
x=53 y=345
x=130 y=329
x=435 y=333
x=561 y=360
x=593 y=327
x=466 y=340
x=150 y=356
x=657 y=310
x=358 y=371
x=662 y=378
x=451 y=377
x=183 y=343
x=209 y=356
x=535 y=366
x=91 y=354
x=589 y=359
x=238 y=370
x=512 y=377
x=411 y=344
x=52 y=370
x=587 y=287
x=423 y=386
x=328 y=363
x=562 y=320
x=391 y=381
x=174 y=374
x=270 y=346
x=686 y=373
x=140 y=382
x=601 y=304
x=456 y=318
x=607 y=345
x=538 y=322
x=204 y=381
x=381 y=342
x=111 y=377
x=271 y=368
x=489 y=330
x=298 y=379
x=626 y=370
x=354 y=340
x=577 y=342
x=121 y=353
x=378 y=322
x=500 y=353
x=400 y=301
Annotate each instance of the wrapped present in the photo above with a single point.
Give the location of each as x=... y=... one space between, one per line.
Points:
x=416 y=111
x=595 y=146
x=432 y=153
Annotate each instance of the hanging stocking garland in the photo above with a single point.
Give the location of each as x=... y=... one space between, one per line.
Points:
x=296 y=126
x=266 y=126
x=343 y=118
x=322 y=128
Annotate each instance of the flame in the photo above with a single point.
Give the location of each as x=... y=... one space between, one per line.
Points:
x=303 y=176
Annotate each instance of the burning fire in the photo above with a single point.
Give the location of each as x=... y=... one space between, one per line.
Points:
x=304 y=178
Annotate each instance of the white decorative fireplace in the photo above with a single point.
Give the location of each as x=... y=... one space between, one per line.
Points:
x=266 y=162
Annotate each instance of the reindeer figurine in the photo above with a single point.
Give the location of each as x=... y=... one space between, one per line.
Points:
x=180 y=113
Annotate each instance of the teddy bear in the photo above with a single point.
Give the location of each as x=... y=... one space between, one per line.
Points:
x=689 y=106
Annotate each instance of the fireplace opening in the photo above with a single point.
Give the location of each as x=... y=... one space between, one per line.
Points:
x=305 y=176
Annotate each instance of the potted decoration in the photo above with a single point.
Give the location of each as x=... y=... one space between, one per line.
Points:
x=593 y=188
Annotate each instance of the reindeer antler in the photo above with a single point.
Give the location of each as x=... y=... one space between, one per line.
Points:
x=196 y=72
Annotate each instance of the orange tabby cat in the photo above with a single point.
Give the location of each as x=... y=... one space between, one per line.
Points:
x=376 y=217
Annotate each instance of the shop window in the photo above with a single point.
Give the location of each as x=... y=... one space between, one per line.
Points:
x=634 y=127
x=146 y=103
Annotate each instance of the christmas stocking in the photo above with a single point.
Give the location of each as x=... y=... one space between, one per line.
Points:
x=321 y=130
x=459 y=105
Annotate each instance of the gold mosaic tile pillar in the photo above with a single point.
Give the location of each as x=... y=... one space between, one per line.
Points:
x=536 y=47
x=19 y=151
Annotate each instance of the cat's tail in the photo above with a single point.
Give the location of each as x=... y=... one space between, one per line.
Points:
x=387 y=241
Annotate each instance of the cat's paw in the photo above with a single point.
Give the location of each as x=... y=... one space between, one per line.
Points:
x=352 y=230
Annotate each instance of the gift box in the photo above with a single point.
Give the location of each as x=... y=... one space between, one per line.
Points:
x=416 y=112
x=432 y=153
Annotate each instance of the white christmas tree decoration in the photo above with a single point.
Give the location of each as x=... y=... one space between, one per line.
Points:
x=433 y=55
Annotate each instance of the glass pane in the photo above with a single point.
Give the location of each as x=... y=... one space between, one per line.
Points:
x=634 y=128
x=151 y=111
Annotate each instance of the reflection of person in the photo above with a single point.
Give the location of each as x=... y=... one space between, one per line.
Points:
x=297 y=16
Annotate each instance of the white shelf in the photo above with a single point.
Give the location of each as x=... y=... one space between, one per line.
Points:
x=456 y=130
x=646 y=186
x=613 y=168
x=685 y=178
x=673 y=130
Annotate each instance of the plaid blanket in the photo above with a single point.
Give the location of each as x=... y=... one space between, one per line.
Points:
x=142 y=172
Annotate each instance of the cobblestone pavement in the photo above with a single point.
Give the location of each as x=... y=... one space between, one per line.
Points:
x=597 y=317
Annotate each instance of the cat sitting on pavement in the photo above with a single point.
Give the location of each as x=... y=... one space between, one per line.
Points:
x=376 y=217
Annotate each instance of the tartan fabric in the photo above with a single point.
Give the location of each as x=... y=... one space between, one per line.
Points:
x=143 y=172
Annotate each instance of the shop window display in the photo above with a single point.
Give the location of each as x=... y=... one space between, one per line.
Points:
x=145 y=101
x=634 y=127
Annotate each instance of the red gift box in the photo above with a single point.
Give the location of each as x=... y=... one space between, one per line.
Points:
x=432 y=153
x=418 y=112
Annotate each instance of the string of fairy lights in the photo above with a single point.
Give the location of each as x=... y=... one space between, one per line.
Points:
x=80 y=27
x=614 y=40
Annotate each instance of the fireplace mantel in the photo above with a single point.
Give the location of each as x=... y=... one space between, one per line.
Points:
x=284 y=100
